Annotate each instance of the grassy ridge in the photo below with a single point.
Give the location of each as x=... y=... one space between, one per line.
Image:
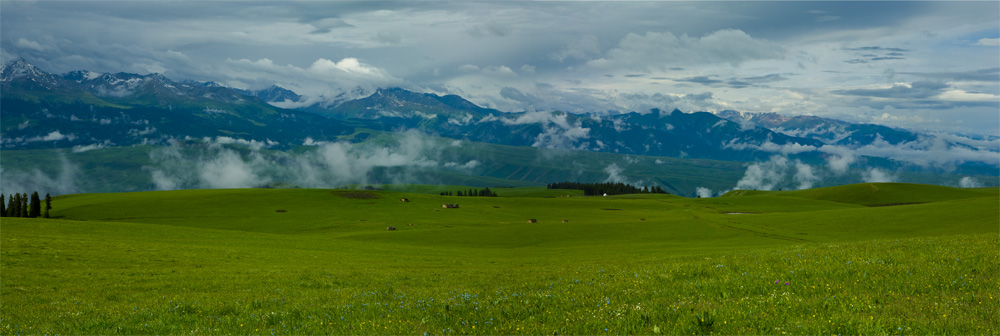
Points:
x=225 y=261
x=878 y=194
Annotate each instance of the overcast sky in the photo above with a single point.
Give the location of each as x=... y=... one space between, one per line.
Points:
x=921 y=65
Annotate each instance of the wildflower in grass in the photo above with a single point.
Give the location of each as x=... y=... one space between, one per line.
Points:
x=786 y=283
x=776 y=281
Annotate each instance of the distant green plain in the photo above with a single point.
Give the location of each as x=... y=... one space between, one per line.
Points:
x=856 y=259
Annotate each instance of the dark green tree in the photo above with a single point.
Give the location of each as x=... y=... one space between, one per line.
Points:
x=15 y=211
x=3 y=207
x=10 y=206
x=610 y=188
x=24 y=205
x=35 y=209
x=48 y=205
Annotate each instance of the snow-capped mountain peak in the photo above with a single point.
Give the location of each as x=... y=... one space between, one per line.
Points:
x=21 y=69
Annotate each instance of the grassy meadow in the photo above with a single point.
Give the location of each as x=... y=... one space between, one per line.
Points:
x=859 y=259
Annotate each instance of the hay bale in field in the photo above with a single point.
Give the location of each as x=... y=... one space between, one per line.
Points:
x=565 y=221
x=532 y=221
x=390 y=228
x=404 y=200
x=449 y=206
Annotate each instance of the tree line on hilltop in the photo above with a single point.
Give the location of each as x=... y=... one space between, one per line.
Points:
x=609 y=188
x=21 y=205
x=471 y=192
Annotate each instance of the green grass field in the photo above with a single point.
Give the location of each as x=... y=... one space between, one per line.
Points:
x=858 y=259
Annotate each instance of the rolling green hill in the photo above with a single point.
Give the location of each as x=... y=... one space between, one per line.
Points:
x=320 y=261
x=878 y=194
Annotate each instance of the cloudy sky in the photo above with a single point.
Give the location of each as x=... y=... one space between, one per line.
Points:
x=921 y=65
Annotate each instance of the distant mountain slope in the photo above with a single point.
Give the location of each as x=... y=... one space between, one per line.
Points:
x=40 y=110
x=829 y=131
x=396 y=102
x=675 y=134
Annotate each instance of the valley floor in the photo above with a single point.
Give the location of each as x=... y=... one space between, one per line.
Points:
x=228 y=262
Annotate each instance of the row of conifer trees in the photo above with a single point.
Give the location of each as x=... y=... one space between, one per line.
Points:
x=610 y=188
x=472 y=192
x=21 y=205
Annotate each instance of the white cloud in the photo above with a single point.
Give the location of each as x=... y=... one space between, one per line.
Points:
x=254 y=144
x=229 y=170
x=703 y=192
x=660 y=50
x=468 y=165
x=87 y=148
x=63 y=181
x=804 y=175
x=52 y=136
x=838 y=158
x=557 y=131
x=989 y=42
x=969 y=182
x=29 y=44
x=764 y=175
x=327 y=165
x=349 y=65
x=615 y=175
x=501 y=70
x=468 y=68
x=875 y=175
x=323 y=81
x=768 y=146
x=776 y=172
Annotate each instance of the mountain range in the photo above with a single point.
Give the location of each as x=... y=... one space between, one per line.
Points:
x=39 y=110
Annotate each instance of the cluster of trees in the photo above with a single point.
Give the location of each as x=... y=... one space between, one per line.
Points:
x=21 y=205
x=599 y=189
x=471 y=192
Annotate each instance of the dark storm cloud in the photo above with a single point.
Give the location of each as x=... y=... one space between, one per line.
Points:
x=706 y=80
x=766 y=78
x=919 y=90
x=736 y=83
x=515 y=94
x=877 y=48
x=986 y=75
x=883 y=54
x=918 y=95
x=327 y=25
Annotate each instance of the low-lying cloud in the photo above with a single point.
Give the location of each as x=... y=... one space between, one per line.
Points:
x=944 y=151
x=557 y=131
x=62 y=180
x=325 y=165
x=875 y=175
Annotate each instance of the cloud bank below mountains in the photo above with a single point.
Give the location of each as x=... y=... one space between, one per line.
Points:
x=325 y=165
x=62 y=180
x=938 y=150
